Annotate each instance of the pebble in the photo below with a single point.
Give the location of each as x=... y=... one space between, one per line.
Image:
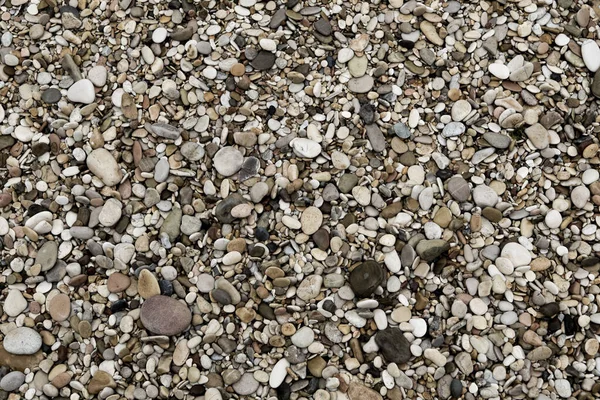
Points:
x=22 y=341
x=393 y=345
x=98 y=75
x=59 y=307
x=12 y=381
x=516 y=253
x=590 y=52
x=365 y=278
x=305 y=148
x=14 y=303
x=500 y=71
x=228 y=160
x=278 y=373
x=82 y=91
x=164 y=315
x=102 y=164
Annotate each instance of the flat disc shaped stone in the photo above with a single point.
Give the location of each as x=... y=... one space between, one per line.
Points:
x=165 y=316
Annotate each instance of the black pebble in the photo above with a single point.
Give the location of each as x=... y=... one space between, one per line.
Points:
x=554 y=325
x=456 y=388
x=261 y=234
x=312 y=387
x=550 y=309
x=166 y=287
x=197 y=390
x=570 y=325
x=118 y=305
x=284 y=391
x=444 y=174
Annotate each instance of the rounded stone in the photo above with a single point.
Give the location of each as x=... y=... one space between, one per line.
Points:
x=366 y=277
x=22 y=341
x=164 y=315
x=59 y=307
x=228 y=160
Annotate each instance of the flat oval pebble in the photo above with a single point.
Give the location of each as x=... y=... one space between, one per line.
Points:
x=22 y=341
x=164 y=315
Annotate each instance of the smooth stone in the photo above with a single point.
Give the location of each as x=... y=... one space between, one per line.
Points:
x=361 y=85
x=14 y=303
x=365 y=278
x=500 y=71
x=278 y=373
x=538 y=135
x=310 y=287
x=246 y=385
x=303 y=338
x=393 y=345
x=360 y=392
x=553 y=219
x=453 y=129
x=165 y=131
x=250 y=168
x=460 y=110
x=376 y=138
x=98 y=75
x=51 y=96
x=147 y=284
x=264 y=60
x=82 y=91
x=118 y=282
x=517 y=254
x=402 y=131
x=497 y=140
x=580 y=196
x=311 y=220
x=164 y=315
x=111 y=213
x=429 y=250
x=47 y=255
x=159 y=35
x=563 y=388
x=12 y=381
x=102 y=164
x=22 y=341
x=228 y=160
x=485 y=196
x=305 y=148
x=590 y=52
x=481 y=155
x=100 y=381
x=59 y=307
x=192 y=151
x=459 y=188
x=430 y=33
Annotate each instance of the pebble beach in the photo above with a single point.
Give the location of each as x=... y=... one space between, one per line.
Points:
x=293 y=200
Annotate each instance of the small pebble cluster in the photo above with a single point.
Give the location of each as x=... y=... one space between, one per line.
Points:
x=340 y=200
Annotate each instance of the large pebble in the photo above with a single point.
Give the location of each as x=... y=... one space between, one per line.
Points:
x=82 y=91
x=22 y=341
x=306 y=148
x=517 y=254
x=102 y=164
x=14 y=303
x=228 y=160
x=164 y=315
x=590 y=52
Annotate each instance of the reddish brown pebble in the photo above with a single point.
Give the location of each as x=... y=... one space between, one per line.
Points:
x=118 y=282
